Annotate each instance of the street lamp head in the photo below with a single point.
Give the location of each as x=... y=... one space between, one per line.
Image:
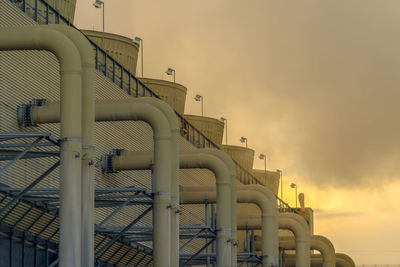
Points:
x=98 y=3
x=243 y=139
x=169 y=71
x=293 y=185
x=198 y=97
x=137 y=40
x=261 y=156
x=223 y=119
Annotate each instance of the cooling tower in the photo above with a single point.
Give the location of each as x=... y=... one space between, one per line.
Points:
x=172 y=93
x=269 y=178
x=123 y=49
x=210 y=127
x=65 y=7
x=242 y=155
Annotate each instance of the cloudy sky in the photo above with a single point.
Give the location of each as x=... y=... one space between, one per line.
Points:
x=312 y=84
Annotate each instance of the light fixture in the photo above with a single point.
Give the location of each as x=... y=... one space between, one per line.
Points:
x=263 y=157
x=200 y=98
x=98 y=3
x=224 y=120
x=139 y=41
x=293 y=185
x=243 y=140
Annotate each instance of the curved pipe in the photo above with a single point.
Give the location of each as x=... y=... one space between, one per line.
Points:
x=45 y=38
x=206 y=194
x=136 y=109
x=317 y=242
x=342 y=260
x=289 y=221
x=201 y=158
x=175 y=142
x=264 y=190
x=299 y=227
x=88 y=142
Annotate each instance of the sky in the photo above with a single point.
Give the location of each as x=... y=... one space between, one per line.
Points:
x=312 y=84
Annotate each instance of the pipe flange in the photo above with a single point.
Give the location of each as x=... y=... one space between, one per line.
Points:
x=107 y=161
x=24 y=112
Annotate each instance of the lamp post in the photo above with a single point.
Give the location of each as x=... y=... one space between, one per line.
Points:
x=262 y=156
x=100 y=4
x=200 y=98
x=171 y=71
x=293 y=185
x=224 y=120
x=139 y=41
x=243 y=140
x=281 y=178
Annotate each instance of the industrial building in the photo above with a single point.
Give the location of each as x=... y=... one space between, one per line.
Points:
x=100 y=168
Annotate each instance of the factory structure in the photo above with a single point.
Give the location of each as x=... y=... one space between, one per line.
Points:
x=101 y=168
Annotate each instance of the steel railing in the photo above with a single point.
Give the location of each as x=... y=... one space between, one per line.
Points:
x=41 y=12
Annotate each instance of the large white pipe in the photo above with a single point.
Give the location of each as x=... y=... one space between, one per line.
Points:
x=201 y=158
x=290 y=221
x=44 y=38
x=317 y=242
x=175 y=143
x=138 y=109
x=300 y=229
x=204 y=194
x=342 y=260
x=88 y=143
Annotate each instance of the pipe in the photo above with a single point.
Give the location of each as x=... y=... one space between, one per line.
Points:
x=289 y=221
x=44 y=38
x=88 y=140
x=232 y=167
x=342 y=260
x=138 y=109
x=201 y=158
x=204 y=194
x=175 y=142
x=317 y=242
x=272 y=198
x=300 y=229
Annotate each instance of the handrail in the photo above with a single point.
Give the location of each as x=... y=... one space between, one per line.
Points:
x=43 y=13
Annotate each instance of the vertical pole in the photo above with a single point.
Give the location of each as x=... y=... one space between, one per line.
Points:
x=207 y=224
x=142 y=57
x=202 y=103
x=226 y=132
x=102 y=37
x=23 y=250
x=265 y=170
x=281 y=185
x=10 y=263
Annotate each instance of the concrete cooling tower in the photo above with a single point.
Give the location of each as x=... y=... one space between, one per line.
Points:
x=212 y=128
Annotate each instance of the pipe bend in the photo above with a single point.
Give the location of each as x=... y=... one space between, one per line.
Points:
x=344 y=260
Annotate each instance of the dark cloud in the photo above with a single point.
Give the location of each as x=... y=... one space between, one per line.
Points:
x=314 y=84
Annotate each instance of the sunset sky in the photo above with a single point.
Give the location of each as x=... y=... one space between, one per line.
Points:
x=312 y=84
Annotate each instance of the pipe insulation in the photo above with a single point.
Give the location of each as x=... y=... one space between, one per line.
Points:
x=46 y=38
x=206 y=194
x=342 y=260
x=139 y=109
x=289 y=221
x=317 y=242
x=202 y=158
x=88 y=140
